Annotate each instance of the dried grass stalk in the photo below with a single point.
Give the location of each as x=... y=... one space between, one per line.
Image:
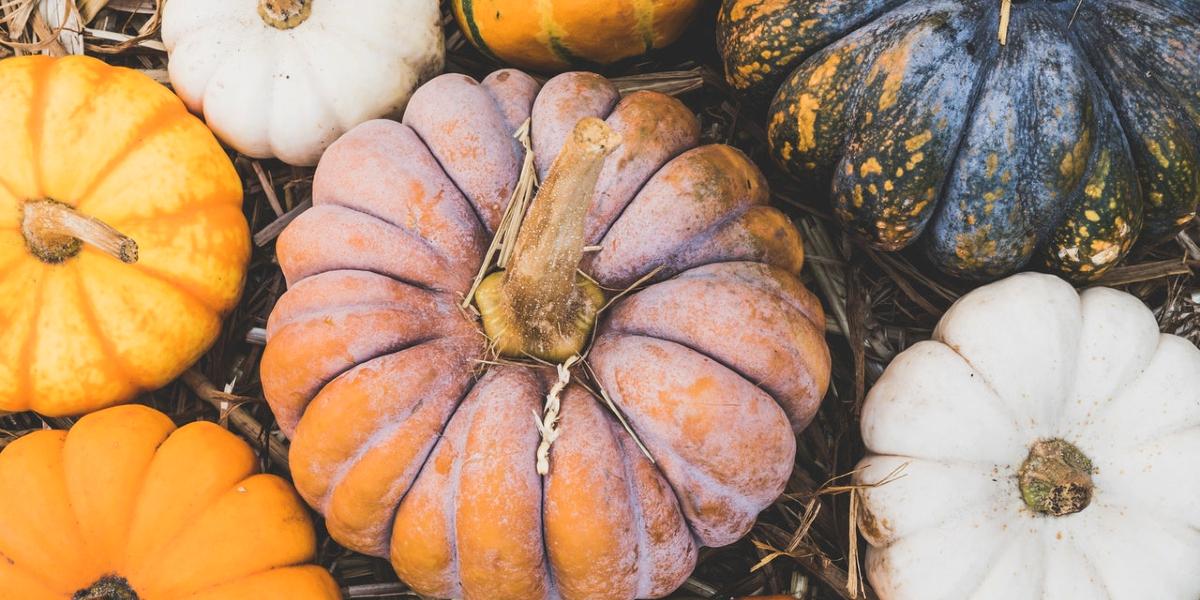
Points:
x=230 y=407
x=505 y=240
x=672 y=83
x=88 y=9
x=1005 y=16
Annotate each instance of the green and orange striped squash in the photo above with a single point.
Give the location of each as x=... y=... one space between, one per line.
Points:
x=555 y=35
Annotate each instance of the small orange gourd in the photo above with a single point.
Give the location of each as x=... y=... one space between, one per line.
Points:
x=124 y=506
x=558 y=34
x=122 y=241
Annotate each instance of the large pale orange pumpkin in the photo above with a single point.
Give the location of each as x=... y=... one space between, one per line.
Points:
x=553 y=35
x=122 y=241
x=126 y=507
x=415 y=445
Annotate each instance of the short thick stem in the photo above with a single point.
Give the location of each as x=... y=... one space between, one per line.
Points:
x=550 y=244
x=284 y=14
x=55 y=232
x=1056 y=478
x=109 y=587
x=539 y=306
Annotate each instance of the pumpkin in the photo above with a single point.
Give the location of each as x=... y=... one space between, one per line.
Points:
x=560 y=34
x=410 y=416
x=125 y=506
x=284 y=78
x=1053 y=148
x=1042 y=445
x=122 y=239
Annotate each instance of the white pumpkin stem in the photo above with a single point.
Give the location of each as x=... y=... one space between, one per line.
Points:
x=1056 y=478
x=539 y=306
x=284 y=14
x=55 y=232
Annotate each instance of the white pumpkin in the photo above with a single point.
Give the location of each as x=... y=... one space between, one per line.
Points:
x=1045 y=445
x=285 y=78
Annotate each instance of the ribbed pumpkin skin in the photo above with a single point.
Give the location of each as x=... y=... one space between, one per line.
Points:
x=176 y=513
x=955 y=421
x=1055 y=151
x=93 y=331
x=414 y=448
x=554 y=35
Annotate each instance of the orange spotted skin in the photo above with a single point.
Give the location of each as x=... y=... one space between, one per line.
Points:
x=1054 y=151
x=784 y=355
x=175 y=513
x=416 y=448
x=554 y=35
x=761 y=42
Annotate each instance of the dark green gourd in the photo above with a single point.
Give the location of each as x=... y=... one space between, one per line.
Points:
x=1054 y=150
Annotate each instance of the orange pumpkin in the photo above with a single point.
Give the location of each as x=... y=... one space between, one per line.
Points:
x=558 y=34
x=415 y=444
x=125 y=506
x=122 y=241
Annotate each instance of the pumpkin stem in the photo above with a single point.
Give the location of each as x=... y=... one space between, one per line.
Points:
x=540 y=306
x=55 y=232
x=1056 y=478
x=109 y=587
x=284 y=14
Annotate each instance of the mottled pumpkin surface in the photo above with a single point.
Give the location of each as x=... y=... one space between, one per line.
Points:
x=91 y=331
x=124 y=498
x=553 y=35
x=1055 y=150
x=415 y=448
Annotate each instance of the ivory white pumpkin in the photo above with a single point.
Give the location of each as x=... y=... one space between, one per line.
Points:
x=1027 y=362
x=285 y=78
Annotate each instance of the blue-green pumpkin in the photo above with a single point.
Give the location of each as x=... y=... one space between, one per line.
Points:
x=1055 y=150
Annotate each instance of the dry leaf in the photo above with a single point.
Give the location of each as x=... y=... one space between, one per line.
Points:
x=17 y=14
x=142 y=7
x=89 y=8
x=61 y=17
